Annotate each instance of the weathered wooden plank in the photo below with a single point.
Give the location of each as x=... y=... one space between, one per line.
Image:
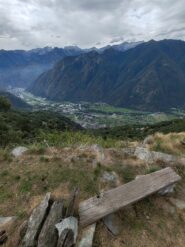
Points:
x=48 y=236
x=72 y=205
x=110 y=201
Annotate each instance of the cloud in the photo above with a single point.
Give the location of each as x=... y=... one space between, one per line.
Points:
x=26 y=24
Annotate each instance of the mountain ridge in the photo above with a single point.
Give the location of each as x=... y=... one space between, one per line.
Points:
x=19 y=68
x=148 y=77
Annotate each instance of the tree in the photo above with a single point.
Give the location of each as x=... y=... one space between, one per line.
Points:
x=5 y=104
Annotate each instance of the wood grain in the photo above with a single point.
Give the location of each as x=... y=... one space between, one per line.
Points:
x=110 y=201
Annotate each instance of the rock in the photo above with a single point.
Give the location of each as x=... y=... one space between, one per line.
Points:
x=35 y=222
x=87 y=236
x=177 y=203
x=167 y=190
x=129 y=151
x=67 y=232
x=151 y=156
x=6 y=221
x=111 y=177
x=148 y=140
x=113 y=223
x=100 y=156
x=18 y=151
x=48 y=236
x=72 y=205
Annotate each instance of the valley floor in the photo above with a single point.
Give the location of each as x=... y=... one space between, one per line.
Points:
x=97 y=115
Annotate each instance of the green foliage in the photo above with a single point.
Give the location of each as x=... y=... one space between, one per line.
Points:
x=152 y=169
x=24 y=127
x=127 y=173
x=5 y=104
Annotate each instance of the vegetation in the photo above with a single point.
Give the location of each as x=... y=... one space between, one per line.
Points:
x=25 y=127
x=5 y=104
x=139 y=132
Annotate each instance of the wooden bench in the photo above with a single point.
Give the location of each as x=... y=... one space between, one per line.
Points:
x=110 y=201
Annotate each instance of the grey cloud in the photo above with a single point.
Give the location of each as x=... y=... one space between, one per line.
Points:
x=35 y=23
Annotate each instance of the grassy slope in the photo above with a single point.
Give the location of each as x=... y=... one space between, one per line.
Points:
x=25 y=180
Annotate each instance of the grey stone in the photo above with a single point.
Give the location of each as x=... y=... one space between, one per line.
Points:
x=167 y=190
x=148 y=140
x=151 y=156
x=18 y=151
x=87 y=236
x=48 y=235
x=35 y=222
x=113 y=223
x=110 y=177
x=178 y=203
x=129 y=151
x=100 y=156
x=68 y=226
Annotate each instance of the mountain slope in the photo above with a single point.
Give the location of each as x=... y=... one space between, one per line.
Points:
x=148 y=77
x=19 y=68
x=15 y=101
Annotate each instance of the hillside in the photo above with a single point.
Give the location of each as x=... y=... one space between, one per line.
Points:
x=150 y=77
x=15 y=101
x=26 y=179
x=25 y=127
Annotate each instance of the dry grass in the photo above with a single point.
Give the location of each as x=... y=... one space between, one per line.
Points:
x=25 y=180
x=172 y=143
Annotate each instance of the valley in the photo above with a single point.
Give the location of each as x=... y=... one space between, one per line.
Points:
x=96 y=115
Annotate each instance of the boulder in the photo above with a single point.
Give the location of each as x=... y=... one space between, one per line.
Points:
x=36 y=221
x=151 y=156
x=87 y=236
x=18 y=151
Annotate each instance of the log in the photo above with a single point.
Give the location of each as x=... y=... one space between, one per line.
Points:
x=48 y=236
x=35 y=222
x=110 y=201
x=67 y=232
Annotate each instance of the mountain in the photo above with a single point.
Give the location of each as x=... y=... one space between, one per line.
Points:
x=20 y=68
x=150 y=77
x=15 y=101
x=119 y=47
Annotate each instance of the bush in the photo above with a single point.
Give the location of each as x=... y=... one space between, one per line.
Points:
x=5 y=104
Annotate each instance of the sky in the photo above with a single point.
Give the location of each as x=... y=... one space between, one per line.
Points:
x=27 y=24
